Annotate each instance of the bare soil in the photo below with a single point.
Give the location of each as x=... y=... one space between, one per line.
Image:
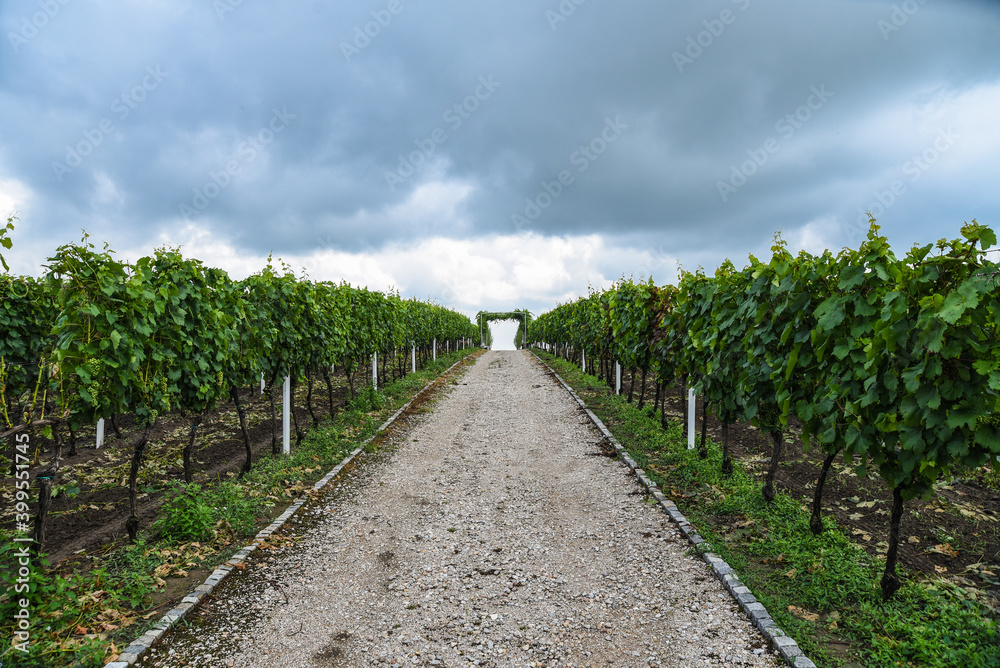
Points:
x=93 y=519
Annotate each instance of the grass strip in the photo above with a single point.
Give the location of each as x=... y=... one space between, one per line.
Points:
x=822 y=590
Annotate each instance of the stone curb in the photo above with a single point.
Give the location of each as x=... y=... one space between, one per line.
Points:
x=131 y=654
x=786 y=647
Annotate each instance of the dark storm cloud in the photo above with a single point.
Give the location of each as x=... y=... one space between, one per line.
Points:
x=315 y=125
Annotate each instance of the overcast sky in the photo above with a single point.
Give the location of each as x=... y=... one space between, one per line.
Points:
x=494 y=154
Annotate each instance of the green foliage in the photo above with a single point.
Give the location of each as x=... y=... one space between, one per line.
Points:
x=98 y=336
x=895 y=360
x=186 y=516
x=629 y=318
x=202 y=332
x=26 y=318
x=5 y=241
x=521 y=316
x=717 y=330
x=129 y=572
x=934 y=363
x=109 y=338
x=233 y=507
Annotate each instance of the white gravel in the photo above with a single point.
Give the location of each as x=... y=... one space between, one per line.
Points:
x=494 y=536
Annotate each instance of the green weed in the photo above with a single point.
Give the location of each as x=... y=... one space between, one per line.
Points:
x=185 y=516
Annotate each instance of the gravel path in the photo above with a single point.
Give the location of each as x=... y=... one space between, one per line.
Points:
x=496 y=535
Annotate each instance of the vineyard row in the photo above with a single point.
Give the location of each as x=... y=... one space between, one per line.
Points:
x=96 y=336
x=893 y=362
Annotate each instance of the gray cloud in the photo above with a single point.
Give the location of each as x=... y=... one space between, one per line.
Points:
x=701 y=89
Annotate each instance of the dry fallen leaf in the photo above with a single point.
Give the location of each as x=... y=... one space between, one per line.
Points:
x=912 y=539
x=945 y=548
x=854 y=517
x=803 y=614
x=791 y=574
x=941 y=569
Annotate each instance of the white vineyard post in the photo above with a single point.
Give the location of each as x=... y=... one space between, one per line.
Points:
x=435 y=348
x=618 y=378
x=100 y=434
x=286 y=413
x=262 y=382
x=691 y=411
x=375 y=370
x=583 y=362
x=413 y=357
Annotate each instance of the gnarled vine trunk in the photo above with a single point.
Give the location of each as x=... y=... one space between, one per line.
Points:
x=642 y=389
x=299 y=435
x=703 y=452
x=242 y=414
x=309 y=398
x=890 y=581
x=274 y=420
x=44 y=479
x=816 y=519
x=769 y=491
x=138 y=450
x=727 y=462
x=72 y=442
x=329 y=392
x=189 y=448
